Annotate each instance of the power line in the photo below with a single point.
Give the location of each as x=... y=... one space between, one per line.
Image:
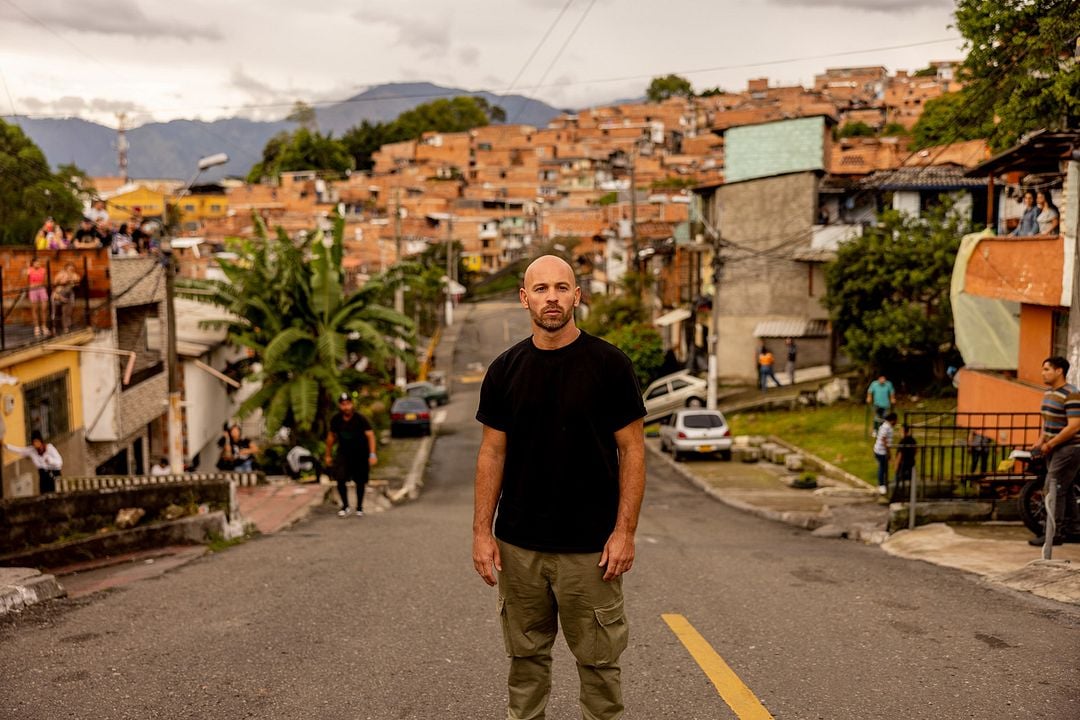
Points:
x=34 y=20
x=532 y=55
x=555 y=59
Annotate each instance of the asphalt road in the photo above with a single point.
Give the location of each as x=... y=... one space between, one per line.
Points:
x=383 y=617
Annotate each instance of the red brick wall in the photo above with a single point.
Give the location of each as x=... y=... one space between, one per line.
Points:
x=92 y=264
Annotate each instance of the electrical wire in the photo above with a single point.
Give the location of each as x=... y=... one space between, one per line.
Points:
x=532 y=55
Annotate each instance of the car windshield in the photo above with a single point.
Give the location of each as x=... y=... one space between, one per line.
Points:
x=409 y=404
x=702 y=420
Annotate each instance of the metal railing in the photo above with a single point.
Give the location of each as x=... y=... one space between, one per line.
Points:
x=72 y=483
x=966 y=455
x=20 y=327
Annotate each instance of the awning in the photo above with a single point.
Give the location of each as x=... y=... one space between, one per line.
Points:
x=670 y=318
x=791 y=328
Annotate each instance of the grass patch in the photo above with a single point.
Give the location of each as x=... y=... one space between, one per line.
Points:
x=839 y=434
x=217 y=543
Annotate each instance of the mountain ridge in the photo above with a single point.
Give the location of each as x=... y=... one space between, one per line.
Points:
x=172 y=149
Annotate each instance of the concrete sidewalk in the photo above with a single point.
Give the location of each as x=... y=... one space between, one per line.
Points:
x=997 y=552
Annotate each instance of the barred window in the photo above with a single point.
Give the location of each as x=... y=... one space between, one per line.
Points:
x=1060 y=334
x=47 y=405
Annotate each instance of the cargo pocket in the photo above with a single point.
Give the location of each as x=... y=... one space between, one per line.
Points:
x=505 y=623
x=612 y=634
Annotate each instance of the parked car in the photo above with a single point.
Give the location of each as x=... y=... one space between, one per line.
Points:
x=667 y=394
x=696 y=431
x=429 y=392
x=410 y=415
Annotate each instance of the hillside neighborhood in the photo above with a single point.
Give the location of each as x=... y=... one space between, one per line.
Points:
x=256 y=373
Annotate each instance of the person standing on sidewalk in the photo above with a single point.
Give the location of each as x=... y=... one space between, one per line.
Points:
x=883 y=442
x=46 y=459
x=765 y=368
x=353 y=435
x=1060 y=440
x=792 y=353
x=563 y=459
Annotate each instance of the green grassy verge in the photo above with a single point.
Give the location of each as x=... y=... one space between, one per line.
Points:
x=838 y=434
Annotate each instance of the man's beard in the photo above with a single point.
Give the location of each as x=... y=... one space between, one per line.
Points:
x=553 y=323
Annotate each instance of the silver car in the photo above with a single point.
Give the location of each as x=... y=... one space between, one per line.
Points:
x=696 y=431
x=667 y=394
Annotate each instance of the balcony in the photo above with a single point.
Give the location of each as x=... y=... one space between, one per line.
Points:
x=1029 y=270
x=21 y=319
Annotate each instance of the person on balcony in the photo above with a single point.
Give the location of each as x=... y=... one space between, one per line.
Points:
x=63 y=296
x=1029 y=219
x=38 y=295
x=1049 y=217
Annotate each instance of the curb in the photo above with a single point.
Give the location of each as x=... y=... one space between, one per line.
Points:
x=22 y=587
x=819 y=523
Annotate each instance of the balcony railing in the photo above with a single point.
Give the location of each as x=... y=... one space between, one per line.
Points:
x=30 y=315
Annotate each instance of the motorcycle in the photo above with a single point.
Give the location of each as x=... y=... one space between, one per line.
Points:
x=1030 y=502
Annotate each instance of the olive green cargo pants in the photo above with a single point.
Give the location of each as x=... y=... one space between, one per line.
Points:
x=539 y=590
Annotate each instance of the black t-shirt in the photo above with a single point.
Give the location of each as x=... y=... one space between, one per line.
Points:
x=350 y=437
x=560 y=410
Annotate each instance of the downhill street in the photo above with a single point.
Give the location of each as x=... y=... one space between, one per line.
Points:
x=383 y=617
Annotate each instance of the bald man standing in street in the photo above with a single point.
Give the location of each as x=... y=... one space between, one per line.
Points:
x=563 y=460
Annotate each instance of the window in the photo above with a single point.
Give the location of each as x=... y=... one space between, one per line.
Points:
x=1060 y=334
x=46 y=403
x=678 y=384
x=189 y=208
x=657 y=392
x=215 y=208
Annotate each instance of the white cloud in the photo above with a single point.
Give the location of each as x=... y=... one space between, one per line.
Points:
x=428 y=34
x=882 y=6
x=468 y=55
x=103 y=17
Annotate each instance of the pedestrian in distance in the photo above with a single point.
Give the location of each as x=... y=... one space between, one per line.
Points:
x=354 y=438
x=63 y=296
x=906 y=449
x=881 y=395
x=792 y=354
x=883 y=442
x=1060 y=441
x=237 y=451
x=765 y=368
x=46 y=459
x=562 y=459
x=161 y=467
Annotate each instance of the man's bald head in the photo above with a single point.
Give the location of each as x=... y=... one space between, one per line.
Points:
x=546 y=266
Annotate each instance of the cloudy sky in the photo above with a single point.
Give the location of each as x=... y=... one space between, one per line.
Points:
x=207 y=59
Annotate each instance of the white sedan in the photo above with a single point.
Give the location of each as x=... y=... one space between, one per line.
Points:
x=693 y=430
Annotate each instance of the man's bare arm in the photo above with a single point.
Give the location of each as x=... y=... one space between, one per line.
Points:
x=618 y=555
x=489 y=476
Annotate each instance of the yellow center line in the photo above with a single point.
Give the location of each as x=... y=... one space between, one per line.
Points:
x=739 y=698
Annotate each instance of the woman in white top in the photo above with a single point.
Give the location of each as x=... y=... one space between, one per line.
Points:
x=1049 y=218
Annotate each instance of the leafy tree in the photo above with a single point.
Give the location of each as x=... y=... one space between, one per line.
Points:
x=302 y=149
x=928 y=71
x=305 y=335
x=304 y=115
x=457 y=114
x=1021 y=65
x=643 y=345
x=29 y=190
x=948 y=119
x=893 y=129
x=668 y=86
x=855 y=129
x=888 y=293
x=710 y=92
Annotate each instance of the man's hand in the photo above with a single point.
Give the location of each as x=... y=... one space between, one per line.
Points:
x=485 y=557
x=618 y=555
x=328 y=460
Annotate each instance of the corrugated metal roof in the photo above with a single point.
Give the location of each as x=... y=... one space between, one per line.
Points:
x=791 y=328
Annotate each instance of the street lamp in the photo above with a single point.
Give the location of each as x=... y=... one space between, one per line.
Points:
x=175 y=419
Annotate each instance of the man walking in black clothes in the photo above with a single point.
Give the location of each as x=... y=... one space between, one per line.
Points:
x=563 y=458
x=352 y=433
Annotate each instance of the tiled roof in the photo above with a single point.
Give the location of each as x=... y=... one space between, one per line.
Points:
x=922 y=178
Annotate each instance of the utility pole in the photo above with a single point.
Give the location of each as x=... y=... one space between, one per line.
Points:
x=175 y=416
x=449 y=278
x=399 y=291
x=633 y=210
x=1070 y=230
x=122 y=146
x=714 y=324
